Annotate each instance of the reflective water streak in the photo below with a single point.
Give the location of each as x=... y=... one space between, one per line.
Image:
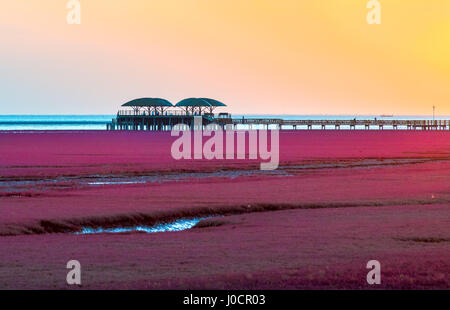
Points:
x=178 y=225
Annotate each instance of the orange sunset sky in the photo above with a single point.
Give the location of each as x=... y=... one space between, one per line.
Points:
x=257 y=56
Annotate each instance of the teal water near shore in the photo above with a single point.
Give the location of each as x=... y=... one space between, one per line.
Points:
x=178 y=225
x=98 y=122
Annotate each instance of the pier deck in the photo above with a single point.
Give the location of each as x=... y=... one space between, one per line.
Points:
x=352 y=124
x=130 y=121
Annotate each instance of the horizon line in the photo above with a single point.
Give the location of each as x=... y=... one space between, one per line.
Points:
x=258 y=114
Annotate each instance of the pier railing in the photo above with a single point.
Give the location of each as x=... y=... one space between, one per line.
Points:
x=409 y=124
x=146 y=113
x=135 y=120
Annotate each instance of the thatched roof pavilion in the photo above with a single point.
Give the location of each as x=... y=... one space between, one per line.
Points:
x=156 y=105
x=200 y=103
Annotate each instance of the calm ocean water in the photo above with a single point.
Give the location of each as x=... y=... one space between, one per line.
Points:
x=98 y=122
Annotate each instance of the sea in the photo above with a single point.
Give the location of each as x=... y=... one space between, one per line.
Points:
x=98 y=122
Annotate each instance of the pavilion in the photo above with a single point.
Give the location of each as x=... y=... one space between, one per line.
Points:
x=154 y=106
x=160 y=114
x=198 y=106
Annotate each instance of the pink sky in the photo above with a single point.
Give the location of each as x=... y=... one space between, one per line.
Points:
x=257 y=56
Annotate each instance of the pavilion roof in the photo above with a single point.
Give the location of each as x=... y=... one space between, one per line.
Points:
x=148 y=102
x=199 y=102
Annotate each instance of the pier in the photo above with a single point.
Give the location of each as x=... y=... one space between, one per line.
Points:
x=351 y=124
x=157 y=114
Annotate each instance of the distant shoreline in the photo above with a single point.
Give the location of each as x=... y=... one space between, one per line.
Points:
x=98 y=122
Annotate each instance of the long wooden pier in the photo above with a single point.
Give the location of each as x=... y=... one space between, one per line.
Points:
x=351 y=124
x=126 y=120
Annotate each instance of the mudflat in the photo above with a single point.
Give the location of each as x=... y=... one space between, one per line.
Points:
x=337 y=200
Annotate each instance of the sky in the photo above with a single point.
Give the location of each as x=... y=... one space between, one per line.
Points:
x=256 y=56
